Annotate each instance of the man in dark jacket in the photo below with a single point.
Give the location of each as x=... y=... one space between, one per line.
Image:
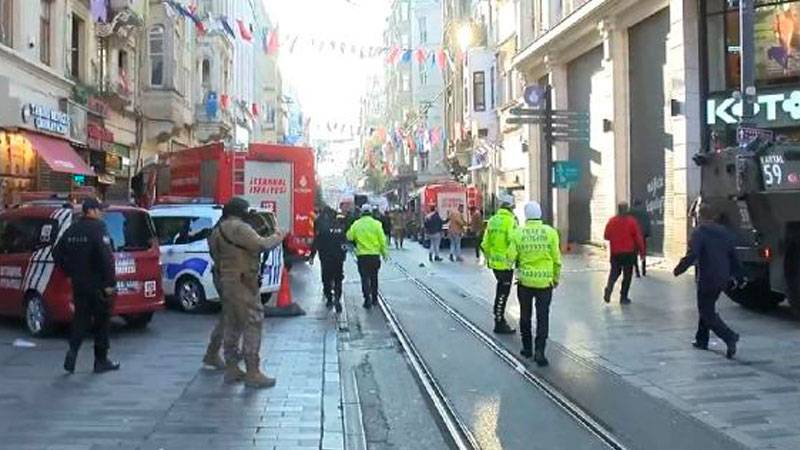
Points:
x=330 y=244
x=639 y=212
x=625 y=240
x=712 y=251
x=434 y=225
x=84 y=253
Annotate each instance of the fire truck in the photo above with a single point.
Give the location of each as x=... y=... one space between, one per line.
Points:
x=277 y=178
x=445 y=197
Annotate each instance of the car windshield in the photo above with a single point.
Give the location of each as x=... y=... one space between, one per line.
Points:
x=129 y=230
x=178 y=230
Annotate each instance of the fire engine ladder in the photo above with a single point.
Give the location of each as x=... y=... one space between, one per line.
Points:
x=238 y=172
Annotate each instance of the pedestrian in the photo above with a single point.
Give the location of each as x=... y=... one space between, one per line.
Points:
x=85 y=255
x=495 y=247
x=236 y=248
x=712 y=249
x=534 y=249
x=433 y=229
x=639 y=212
x=322 y=224
x=625 y=239
x=456 y=232
x=398 y=227
x=386 y=224
x=330 y=244
x=370 y=242
x=476 y=228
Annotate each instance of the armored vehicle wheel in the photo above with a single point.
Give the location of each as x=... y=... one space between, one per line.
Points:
x=756 y=295
x=793 y=277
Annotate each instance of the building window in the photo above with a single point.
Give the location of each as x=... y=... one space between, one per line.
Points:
x=76 y=48
x=205 y=70
x=479 y=91
x=157 y=56
x=423 y=30
x=491 y=87
x=423 y=74
x=777 y=43
x=7 y=22
x=44 y=31
x=123 y=80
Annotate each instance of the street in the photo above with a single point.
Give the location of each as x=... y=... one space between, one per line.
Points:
x=628 y=373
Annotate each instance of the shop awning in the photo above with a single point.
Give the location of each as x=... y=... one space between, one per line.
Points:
x=59 y=155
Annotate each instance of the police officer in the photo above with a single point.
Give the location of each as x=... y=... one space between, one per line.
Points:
x=534 y=249
x=370 y=242
x=495 y=248
x=330 y=244
x=236 y=249
x=84 y=253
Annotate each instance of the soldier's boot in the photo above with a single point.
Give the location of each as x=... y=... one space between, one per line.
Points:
x=254 y=378
x=212 y=359
x=233 y=374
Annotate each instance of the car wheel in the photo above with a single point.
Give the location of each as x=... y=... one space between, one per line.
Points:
x=36 y=318
x=190 y=295
x=138 y=321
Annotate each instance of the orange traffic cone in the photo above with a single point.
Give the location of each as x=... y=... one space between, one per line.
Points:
x=284 y=306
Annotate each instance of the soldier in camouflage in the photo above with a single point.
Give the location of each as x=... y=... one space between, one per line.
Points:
x=236 y=249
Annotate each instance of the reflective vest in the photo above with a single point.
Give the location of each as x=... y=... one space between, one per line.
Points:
x=496 y=239
x=367 y=233
x=535 y=250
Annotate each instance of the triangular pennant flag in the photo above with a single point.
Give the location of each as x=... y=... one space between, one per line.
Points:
x=273 y=46
x=420 y=54
x=406 y=57
x=227 y=27
x=391 y=58
x=244 y=31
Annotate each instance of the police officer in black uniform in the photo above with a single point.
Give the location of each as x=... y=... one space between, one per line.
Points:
x=84 y=253
x=330 y=244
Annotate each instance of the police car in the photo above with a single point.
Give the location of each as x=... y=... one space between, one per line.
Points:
x=182 y=231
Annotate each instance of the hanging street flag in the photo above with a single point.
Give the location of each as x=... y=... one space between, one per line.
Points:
x=420 y=54
x=227 y=27
x=256 y=110
x=441 y=59
x=212 y=105
x=406 y=57
x=244 y=31
x=99 y=11
x=393 y=55
x=273 y=45
x=225 y=101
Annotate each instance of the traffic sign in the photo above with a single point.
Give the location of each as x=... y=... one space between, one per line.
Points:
x=566 y=173
x=535 y=96
x=526 y=120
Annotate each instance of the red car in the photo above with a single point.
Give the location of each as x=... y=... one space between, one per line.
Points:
x=32 y=287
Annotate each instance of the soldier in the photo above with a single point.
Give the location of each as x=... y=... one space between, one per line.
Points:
x=236 y=249
x=84 y=253
x=367 y=234
x=535 y=250
x=495 y=248
x=330 y=244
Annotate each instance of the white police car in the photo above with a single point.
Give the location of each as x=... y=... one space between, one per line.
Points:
x=182 y=231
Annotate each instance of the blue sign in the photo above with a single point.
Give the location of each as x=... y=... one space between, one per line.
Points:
x=534 y=96
x=566 y=173
x=212 y=105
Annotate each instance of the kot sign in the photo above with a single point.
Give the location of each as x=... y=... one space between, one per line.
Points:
x=775 y=108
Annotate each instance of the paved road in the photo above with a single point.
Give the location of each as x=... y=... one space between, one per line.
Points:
x=633 y=368
x=162 y=399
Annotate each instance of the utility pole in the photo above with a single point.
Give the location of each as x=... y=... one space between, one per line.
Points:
x=747 y=60
x=548 y=154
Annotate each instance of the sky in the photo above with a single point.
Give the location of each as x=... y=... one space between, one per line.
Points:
x=328 y=83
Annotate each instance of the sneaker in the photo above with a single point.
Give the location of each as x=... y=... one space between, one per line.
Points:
x=607 y=295
x=214 y=361
x=699 y=345
x=105 y=366
x=69 y=361
x=503 y=328
x=625 y=301
x=732 y=347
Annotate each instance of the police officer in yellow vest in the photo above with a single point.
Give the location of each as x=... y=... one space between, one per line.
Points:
x=534 y=250
x=495 y=248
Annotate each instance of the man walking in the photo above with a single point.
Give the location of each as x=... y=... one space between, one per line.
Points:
x=433 y=229
x=456 y=232
x=712 y=251
x=370 y=242
x=639 y=212
x=84 y=253
x=626 y=244
x=236 y=250
x=398 y=218
x=534 y=249
x=330 y=244
x=476 y=228
x=495 y=247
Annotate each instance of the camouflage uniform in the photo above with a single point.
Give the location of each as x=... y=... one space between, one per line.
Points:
x=236 y=250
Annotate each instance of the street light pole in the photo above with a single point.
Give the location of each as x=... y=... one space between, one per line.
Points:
x=747 y=61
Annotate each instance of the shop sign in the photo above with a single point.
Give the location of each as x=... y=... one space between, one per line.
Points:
x=100 y=137
x=46 y=119
x=97 y=107
x=113 y=164
x=773 y=109
x=77 y=117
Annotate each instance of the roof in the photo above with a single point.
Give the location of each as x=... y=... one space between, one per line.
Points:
x=46 y=210
x=200 y=210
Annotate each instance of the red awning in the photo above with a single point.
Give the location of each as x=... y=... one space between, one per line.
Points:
x=59 y=155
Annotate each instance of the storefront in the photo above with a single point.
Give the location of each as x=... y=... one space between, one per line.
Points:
x=777 y=60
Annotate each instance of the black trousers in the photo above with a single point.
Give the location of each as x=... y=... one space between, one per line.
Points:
x=504 y=280
x=92 y=316
x=621 y=264
x=332 y=276
x=368 y=267
x=643 y=264
x=543 y=298
x=709 y=319
x=478 y=239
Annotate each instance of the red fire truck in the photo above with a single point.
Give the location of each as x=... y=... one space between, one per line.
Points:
x=445 y=197
x=278 y=178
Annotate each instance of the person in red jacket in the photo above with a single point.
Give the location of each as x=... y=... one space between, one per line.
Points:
x=626 y=242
